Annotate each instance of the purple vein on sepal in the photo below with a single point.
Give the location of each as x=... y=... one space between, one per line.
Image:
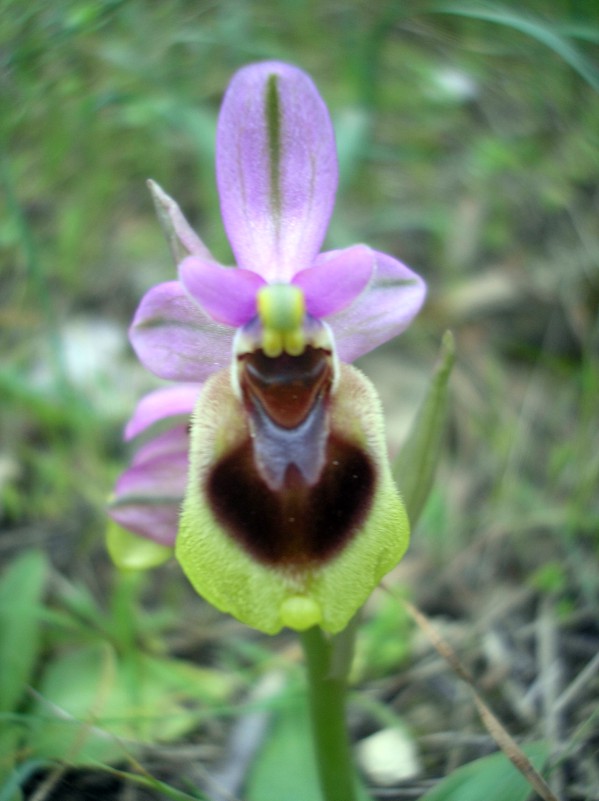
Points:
x=145 y=499
x=157 y=322
x=273 y=127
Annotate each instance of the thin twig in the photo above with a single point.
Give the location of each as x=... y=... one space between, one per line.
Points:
x=550 y=674
x=50 y=782
x=577 y=686
x=504 y=740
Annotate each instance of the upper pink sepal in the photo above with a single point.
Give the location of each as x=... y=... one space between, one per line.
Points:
x=393 y=298
x=276 y=168
x=227 y=294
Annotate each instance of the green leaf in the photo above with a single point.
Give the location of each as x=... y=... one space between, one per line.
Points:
x=10 y=790
x=152 y=783
x=290 y=745
x=79 y=602
x=21 y=589
x=11 y=736
x=414 y=468
x=537 y=29
x=353 y=127
x=493 y=778
x=96 y=706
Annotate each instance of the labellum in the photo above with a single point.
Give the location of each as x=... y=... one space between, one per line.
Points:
x=289 y=482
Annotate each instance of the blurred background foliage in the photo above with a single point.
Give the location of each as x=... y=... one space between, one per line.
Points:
x=468 y=136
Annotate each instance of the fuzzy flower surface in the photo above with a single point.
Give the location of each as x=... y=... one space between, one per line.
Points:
x=264 y=465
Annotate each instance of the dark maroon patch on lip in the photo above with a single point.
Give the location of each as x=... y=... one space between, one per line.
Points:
x=286 y=386
x=297 y=525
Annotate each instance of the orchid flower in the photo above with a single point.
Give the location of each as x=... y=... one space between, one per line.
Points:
x=278 y=495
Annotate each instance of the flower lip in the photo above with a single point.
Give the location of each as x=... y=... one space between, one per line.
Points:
x=251 y=551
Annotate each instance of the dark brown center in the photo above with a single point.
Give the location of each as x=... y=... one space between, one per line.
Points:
x=298 y=525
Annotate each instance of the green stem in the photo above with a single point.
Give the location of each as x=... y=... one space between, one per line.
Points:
x=125 y=604
x=327 y=692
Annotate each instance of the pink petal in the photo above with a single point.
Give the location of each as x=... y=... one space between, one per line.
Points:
x=160 y=404
x=227 y=294
x=336 y=279
x=276 y=167
x=393 y=298
x=175 y=339
x=148 y=497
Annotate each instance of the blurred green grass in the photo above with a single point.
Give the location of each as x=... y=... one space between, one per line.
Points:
x=468 y=138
